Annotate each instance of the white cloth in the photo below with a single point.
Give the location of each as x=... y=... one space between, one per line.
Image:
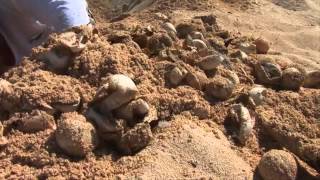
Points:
x=25 y=24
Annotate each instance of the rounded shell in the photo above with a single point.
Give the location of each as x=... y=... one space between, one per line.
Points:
x=268 y=73
x=211 y=62
x=262 y=46
x=118 y=90
x=196 y=79
x=176 y=75
x=75 y=136
x=278 y=164
x=169 y=27
x=292 y=79
x=256 y=94
x=312 y=79
x=220 y=88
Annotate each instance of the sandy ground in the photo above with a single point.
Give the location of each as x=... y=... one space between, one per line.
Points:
x=291 y=26
x=192 y=136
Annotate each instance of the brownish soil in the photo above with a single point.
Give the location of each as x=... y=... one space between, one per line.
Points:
x=192 y=136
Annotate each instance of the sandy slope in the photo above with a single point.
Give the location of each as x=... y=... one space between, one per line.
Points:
x=185 y=146
x=295 y=34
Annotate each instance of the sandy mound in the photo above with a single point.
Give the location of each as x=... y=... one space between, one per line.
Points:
x=183 y=80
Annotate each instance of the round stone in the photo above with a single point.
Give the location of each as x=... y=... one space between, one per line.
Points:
x=278 y=164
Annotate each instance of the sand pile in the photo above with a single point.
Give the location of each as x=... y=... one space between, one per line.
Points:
x=185 y=99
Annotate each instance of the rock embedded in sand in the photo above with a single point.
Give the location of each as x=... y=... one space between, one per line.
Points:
x=109 y=128
x=262 y=46
x=185 y=29
x=58 y=58
x=6 y=90
x=1 y=130
x=268 y=73
x=63 y=107
x=75 y=135
x=196 y=79
x=118 y=90
x=32 y=122
x=312 y=79
x=242 y=116
x=197 y=35
x=239 y=54
x=169 y=27
x=248 y=48
x=3 y=140
x=220 y=88
x=132 y=112
x=135 y=139
x=257 y=95
x=158 y=42
x=211 y=62
x=176 y=75
x=232 y=76
x=208 y=19
x=199 y=44
x=72 y=41
x=278 y=164
x=292 y=79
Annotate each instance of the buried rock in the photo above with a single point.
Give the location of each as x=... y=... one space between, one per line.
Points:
x=176 y=75
x=135 y=139
x=220 y=88
x=242 y=118
x=133 y=112
x=312 y=79
x=75 y=135
x=57 y=58
x=257 y=95
x=3 y=140
x=109 y=128
x=211 y=62
x=248 y=48
x=159 y=42
x=118 y=90
x=8 y=98
x=262 y=46
x=292 y=79
x=169 y=27
x=196 y=80
x=268 y=73
x=278 y=164
x=32 y=122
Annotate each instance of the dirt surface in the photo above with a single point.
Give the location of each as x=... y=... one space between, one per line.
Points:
x=193 y=134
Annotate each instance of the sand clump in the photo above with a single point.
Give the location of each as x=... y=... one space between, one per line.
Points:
x=76 y=136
